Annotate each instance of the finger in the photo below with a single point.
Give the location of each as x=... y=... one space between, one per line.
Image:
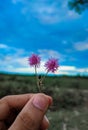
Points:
x=32 y=114
x=44 y=124
x=9 y=102
x=2 y=126
x=13 y=104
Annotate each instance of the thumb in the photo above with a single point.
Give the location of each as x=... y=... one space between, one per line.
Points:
x=31 y=116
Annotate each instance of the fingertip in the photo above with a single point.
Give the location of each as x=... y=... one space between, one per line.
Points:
x=41 y=101
x=50 y=100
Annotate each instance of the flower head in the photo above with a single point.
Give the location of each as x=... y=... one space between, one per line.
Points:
x=52 y=65
x=34 y=60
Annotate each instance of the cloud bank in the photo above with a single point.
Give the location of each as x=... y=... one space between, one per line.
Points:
x=18 y=62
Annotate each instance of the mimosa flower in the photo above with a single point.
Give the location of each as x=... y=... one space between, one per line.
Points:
x=34 y=60
x=52 y=65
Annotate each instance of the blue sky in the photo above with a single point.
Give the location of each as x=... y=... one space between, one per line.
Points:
x=44 y=27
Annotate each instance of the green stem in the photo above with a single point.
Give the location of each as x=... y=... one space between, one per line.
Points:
x=43 y=78
x=37 y=80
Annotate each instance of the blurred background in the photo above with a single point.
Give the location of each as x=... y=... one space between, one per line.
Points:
x=49 y=28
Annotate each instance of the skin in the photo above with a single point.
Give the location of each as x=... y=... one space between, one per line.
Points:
x=24 y=112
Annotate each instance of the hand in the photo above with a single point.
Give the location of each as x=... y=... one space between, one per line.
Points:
x=24 y=112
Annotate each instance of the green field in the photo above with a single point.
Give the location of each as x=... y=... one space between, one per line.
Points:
x=76 y=119
x=70 y=95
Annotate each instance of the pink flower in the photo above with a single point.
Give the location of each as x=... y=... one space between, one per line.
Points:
x=52 y=65
x=34 y=60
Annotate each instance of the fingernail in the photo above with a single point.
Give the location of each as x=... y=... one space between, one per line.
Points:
x=40 y=102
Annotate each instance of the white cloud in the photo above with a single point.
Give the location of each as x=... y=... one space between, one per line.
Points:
x=3 y=46
x=45 y=54
x=82 y=70
x=71 y=70
x=49 y=53
x=53 y=13
x=62 y=73
x=45 y=12
x=18 y=62
x=81 y=46
x=13 y=57
x=13 y=60
x=25 y=68
x=21 y=70
x=9 y=48
x=19 y=57
x=63 y=70
x=67 y=68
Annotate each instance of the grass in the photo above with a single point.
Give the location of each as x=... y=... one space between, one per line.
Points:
x=74 y=119
x=69 y=111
